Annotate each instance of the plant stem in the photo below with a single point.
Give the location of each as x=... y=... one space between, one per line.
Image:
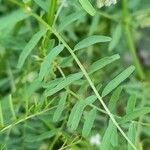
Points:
x=130 y=41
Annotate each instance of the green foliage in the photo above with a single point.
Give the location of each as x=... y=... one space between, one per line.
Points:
x=63 y=84
x=131 y=104
x=136 y=113
x=114 y=98
x=70 y=19
x=131 y=134
x=99 y=64
x=29 y=47
x=117 y=80
x=106 y=141
x=51 y=94
x=89 y=121
x=90 y=41
x=60 y=108
x=48 y=61
x=87 y=7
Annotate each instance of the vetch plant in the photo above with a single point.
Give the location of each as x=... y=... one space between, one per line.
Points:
x=66 y=81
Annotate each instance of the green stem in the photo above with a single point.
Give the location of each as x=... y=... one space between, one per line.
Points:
x=130 y=41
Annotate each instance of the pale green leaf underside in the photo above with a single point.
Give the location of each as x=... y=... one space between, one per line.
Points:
x=114 y=98
x=46 y=64
x=12 y=18
x=51 y=84
x=102 y=63
x=60 y=108
x=89 y=121
x=76 y=113
x=89 y=100
x=114 y=136
x=72 y=114
x=29 y=47
x=70 y=19
x=36 y=84
x=64 y=83
x=87 y=6
x=90 y=41
x=115 y=38
x=135 y=114
x=131 y=135
x=131 y=104
x=107 y=137
x=117 y=80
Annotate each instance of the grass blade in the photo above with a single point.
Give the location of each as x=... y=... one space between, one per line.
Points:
x=117 y=80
